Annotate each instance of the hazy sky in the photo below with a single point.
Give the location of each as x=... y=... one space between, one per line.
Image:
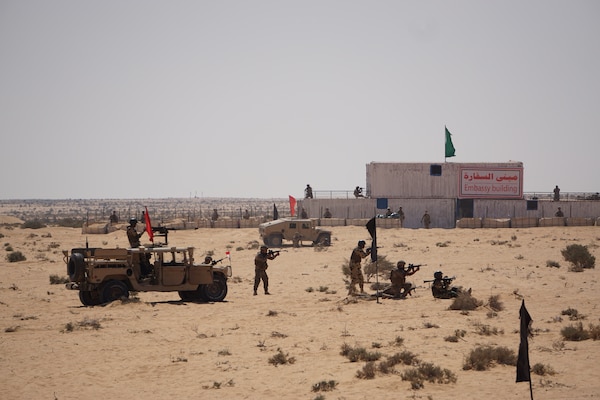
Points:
x=138 y=99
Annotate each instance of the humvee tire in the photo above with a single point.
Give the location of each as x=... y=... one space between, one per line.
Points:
x=215 y=291
x=114 y=290
x=275 y=240
x=90 y=298
x=324 y=239
x=76 y=267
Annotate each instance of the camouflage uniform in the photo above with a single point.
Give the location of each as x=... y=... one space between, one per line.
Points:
x=426 y=220
x=260 y=268
x=133 y=236
x=356 y=274
x=400 y=288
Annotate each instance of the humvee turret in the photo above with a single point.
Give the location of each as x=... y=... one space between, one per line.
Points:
x=274 y=232
x=104 y=275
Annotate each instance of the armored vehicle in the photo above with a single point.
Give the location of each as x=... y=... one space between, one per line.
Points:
x=104 y=275
x=274 y=232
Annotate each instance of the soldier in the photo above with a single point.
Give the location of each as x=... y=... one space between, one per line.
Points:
x=215 y=215
x=327 y=213
x=556 y=193
x=441 y=289
x=114 y=218
x=401 y=216
x=303 y=213
x=426 y=220
x=132 y=235
x=246 y=214
x=559 y=213
x=134 y=242
x=400 y=288
x=358 y=192
x=260 y=268
x=356 y=274
x=308 y=194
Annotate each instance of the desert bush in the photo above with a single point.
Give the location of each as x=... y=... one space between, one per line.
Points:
x=594 y=332
x=367 y=372
x=57 y=280
x=355 y=354
x=324 y=386
x=383 y=267
x=486 y=330
x=579 y=257
x=465 y=302
x=281 y=358
x=8 y=247
x=15 y=256
x=553 y=264
x=541 y=369
x=405 y=357
x=575 y=333
x=427 y=372
x=483 y=357
x=70 y=222
x=573 y=314
x=495 y=303
x=33 y=224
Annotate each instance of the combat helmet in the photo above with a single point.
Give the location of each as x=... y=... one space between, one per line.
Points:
x=438 y=275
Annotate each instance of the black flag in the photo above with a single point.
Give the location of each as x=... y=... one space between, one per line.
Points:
x=275 y=212
x=523 y=373
x=371 y=227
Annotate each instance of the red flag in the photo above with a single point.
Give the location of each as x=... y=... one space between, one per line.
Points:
x=292 y=205
x=148 y=225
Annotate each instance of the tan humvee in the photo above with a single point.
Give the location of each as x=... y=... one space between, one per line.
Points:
x=274 y=232
x=105 y=275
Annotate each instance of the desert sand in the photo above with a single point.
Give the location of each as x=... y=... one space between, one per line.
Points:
x=160 y=347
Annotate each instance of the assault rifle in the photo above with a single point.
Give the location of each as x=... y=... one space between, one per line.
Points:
x=276 y=252
x=412 y=266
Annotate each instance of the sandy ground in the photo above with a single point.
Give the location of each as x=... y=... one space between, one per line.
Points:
x=161 y=348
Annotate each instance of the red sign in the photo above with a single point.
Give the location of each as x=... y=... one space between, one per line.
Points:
x=498 y=183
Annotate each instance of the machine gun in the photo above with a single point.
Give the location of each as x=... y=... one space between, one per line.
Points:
x=215 y=262
x=162 y=231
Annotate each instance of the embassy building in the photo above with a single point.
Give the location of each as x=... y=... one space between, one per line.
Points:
x=469 y=195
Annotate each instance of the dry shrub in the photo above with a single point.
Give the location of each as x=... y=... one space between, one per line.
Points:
x=368 y=371
x=573 y=314
x=495 y=303
x=541 y=369
x=428 y=372
x=575 y=333
x=579 y=256
x=355 y=354
x=57 y=280
x=482 y=358
x=281 y=358
x=465 y=302
x=15 y=256
x=324 y=386
x=594 y=332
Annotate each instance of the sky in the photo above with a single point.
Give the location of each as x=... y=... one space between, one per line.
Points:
x=257 y=98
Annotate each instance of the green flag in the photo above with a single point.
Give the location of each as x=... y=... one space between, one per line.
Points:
x=449 y=145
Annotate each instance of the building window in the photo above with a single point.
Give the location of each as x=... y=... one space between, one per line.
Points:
x=435 y=170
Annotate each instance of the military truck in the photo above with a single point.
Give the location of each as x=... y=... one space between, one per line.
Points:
x=274 y=232
x=104 y=275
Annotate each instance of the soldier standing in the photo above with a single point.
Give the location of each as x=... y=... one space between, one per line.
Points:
x=426 y=220
x=308 y=194
x=356 y=274
x=401 y=216
x=132 y=235
x=260 y=268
